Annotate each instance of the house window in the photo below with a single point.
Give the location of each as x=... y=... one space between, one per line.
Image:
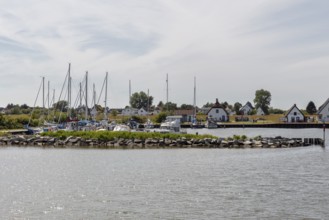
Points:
x=295 y=113
x=217 y=111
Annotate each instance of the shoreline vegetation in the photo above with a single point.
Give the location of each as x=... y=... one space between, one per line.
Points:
x=148 y=140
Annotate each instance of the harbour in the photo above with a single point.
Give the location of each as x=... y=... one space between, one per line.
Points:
x=164 y=184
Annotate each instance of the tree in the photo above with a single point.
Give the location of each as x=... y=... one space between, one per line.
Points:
x=114 y=113
x=61 y=105
x=311 y=109
x=160 y=105
x=275 y=111
x=170 y=106
x=24 y=106
x=140 y=100
x=208 y=105
x=262 y=100
x=160 y=117
x=237 y=107
x=186 y=106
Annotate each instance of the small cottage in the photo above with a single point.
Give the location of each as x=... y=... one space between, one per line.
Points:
x=260 y=111
x=142 y=112
x=246 y=109
x=323 y=112
x=218 y=113
x=129 y=111
x=187 y=115
x=294 y=115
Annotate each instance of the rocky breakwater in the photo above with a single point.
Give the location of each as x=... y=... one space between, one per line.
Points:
x=120 y=143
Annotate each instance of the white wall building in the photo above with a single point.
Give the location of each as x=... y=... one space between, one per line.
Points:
x=260 y=111
x=217 y=113
x=129 y=112
x=294 y=115
x=247 y=108
x=323 y=112
x=142 y=112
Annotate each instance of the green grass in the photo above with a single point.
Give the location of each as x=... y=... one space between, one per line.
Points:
x=110 y=135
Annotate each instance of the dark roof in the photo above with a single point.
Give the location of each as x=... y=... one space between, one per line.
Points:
x=184 y=112
x=287 y=113
x=247 y=104
x=323 y=106
x=217 y=105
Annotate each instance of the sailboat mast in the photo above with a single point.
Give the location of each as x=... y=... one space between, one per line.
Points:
x=53 y=101
x=105 y=101
x=86 y=112
x=129 y=91
x=194 y=98
x=167 y=93
x=69 y=92
x=43 y=92
x=94 y=94
x=80 y=94
x=48 y=94
x=148 y=101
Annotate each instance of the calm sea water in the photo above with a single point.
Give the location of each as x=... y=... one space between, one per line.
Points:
x=41 y=183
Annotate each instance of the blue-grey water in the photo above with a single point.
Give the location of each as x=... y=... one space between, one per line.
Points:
x=290 y=183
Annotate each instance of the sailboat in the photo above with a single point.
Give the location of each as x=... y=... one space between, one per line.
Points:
x=195 y=123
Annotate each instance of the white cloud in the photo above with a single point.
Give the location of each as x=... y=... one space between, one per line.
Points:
x=233 y=48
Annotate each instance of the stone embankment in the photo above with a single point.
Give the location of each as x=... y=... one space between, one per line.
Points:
x=77 y=142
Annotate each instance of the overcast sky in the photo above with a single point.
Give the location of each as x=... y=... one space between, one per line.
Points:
x=233 y=48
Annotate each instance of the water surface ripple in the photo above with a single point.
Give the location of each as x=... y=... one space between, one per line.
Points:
x=41 y=183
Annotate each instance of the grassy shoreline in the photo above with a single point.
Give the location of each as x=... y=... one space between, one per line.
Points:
x=110 y=135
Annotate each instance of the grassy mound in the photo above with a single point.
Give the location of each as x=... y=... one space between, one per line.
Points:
x=110 y=135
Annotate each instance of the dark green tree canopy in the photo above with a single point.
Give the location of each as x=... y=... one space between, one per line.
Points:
x=140 y=100
x=208 y=105
x=186 y=106
x=237 y=107
x=61 y=105
x=310 y=108
x=263 y=100
x=170 y=106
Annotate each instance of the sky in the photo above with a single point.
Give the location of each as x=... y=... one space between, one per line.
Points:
x=233 y=48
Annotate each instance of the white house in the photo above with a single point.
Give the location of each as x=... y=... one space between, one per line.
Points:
x=294 y=115
x=129 y=111
x=260 y=111
x=247 y=108
x=187 y=115
x=217 y=113
x=323 y=112
x=204 y=110
x=142 y=112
